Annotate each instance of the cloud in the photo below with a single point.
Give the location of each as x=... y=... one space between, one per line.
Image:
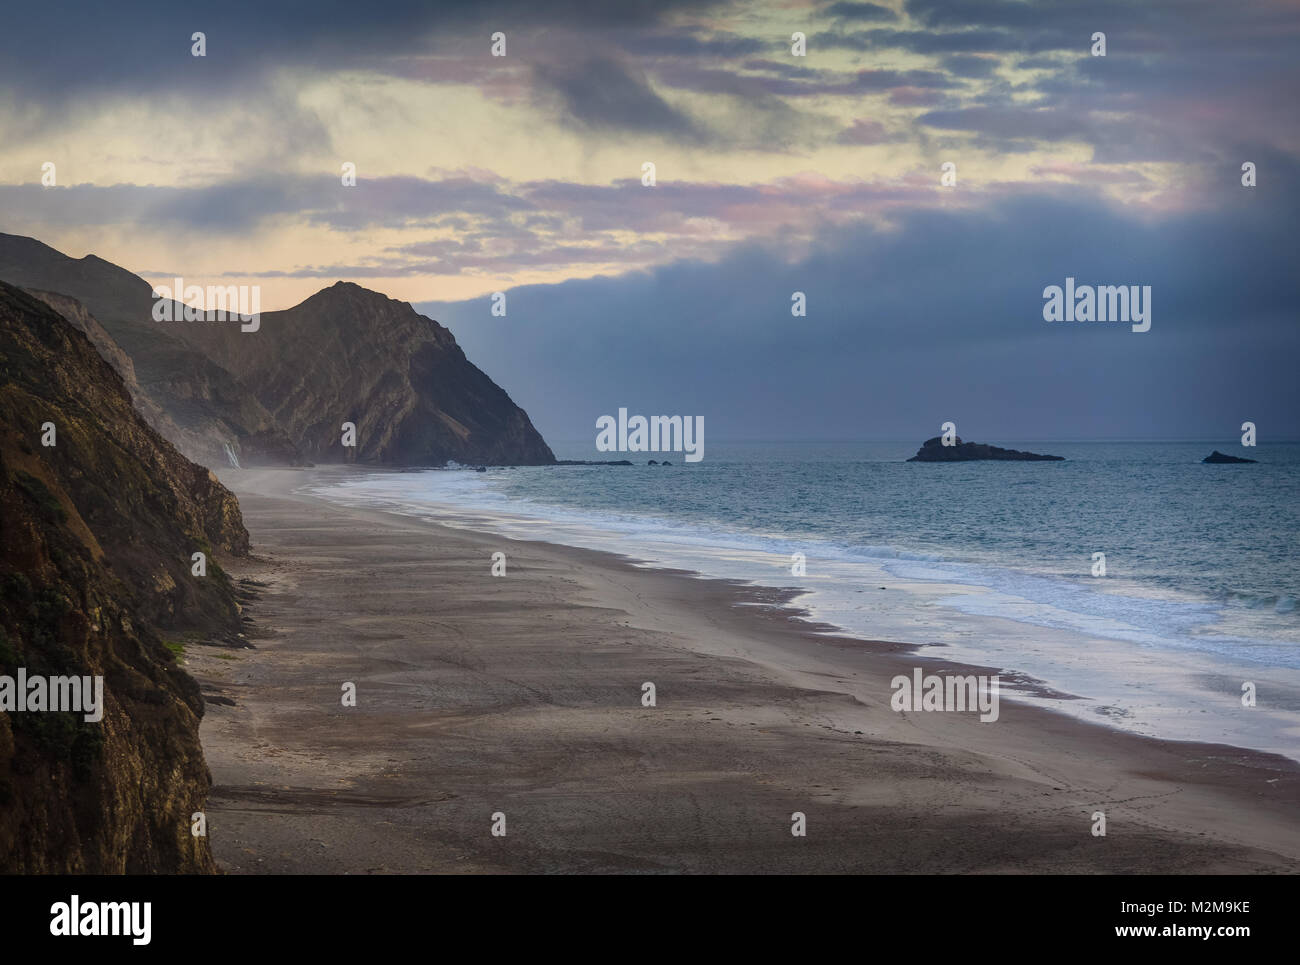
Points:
x=690 y=43
x=944 y=42
x=859 y=11
x=970 y=65
x=469 y=222
x=232 y=207
x=937 y=317
x=865 y=132
x=1010 y=123
x=602 y=95
x=58 y=47
x=772 y=79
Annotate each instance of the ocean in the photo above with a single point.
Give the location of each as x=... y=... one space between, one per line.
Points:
x=982 y=562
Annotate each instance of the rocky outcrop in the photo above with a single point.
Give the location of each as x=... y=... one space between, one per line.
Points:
x=1217 y=456
x=594 y=462
x=280 y=395
x=96 y=536
x=112 y=353
x=933 y=450
x=206 y=408
x=348 y=354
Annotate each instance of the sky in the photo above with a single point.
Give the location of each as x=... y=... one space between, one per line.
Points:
x=774 y=173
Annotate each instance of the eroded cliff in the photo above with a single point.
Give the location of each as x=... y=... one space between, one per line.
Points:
x=97 y=533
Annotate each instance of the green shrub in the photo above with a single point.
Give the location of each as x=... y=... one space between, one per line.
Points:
x=45 y=500
x=16 y=586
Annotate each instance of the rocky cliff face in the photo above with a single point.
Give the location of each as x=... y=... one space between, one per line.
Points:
x=96 y=537
x=280 y=395
x=112 y=353
x=205 y=406
x=361 y=357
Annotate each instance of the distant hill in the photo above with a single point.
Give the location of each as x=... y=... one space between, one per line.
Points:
x=348 y=354
x=279 y=396
x=205 y=405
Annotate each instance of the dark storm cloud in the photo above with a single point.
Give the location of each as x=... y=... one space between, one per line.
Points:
x=1149 y=19
x=540 y=208
x=440 y=260
x=50 y=50
x=500 y=228
x=859 y=12
x=938 y=317
x=601 y=94
x=221 y=208
x=1193 y=83
x=240 y=206
x=967 y=65
x=769 y=80
x=943 y=42
x=1166 y=30
x=1041 y=62
x=1008 y=123
x=603 y=67
x=684 y=42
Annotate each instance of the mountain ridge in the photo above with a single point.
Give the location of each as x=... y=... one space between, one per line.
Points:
x=280 y=395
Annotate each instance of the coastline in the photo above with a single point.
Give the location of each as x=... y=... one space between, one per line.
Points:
x=522 y=695
x=1138 y=654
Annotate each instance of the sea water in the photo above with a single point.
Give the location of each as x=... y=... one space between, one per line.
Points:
x=989 y=563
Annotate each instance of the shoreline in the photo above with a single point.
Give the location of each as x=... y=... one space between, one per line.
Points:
x=522 y=695
x=1144 y=678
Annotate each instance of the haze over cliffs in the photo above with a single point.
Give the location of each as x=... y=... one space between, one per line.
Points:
x=96 y=536
x=280 y=395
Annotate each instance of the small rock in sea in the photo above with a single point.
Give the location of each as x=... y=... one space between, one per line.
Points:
x=934 y=450
x=1219 y=457
x=652 y=463
x=666 y=463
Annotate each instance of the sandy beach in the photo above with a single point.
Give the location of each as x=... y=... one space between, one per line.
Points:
x=522 y=695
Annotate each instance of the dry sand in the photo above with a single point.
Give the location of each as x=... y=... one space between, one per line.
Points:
x=522 y=695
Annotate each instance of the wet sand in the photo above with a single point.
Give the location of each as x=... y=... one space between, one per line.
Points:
x=522 y=695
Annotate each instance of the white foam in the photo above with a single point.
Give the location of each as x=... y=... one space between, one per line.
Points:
x=1134 y=659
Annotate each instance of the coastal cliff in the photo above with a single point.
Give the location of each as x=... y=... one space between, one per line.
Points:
x=205 y=406
x=349 y=354
x=280 y=395
x=97 y=532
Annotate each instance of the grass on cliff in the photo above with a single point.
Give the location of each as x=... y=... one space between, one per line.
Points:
x=39 y=611
x=39 y=493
